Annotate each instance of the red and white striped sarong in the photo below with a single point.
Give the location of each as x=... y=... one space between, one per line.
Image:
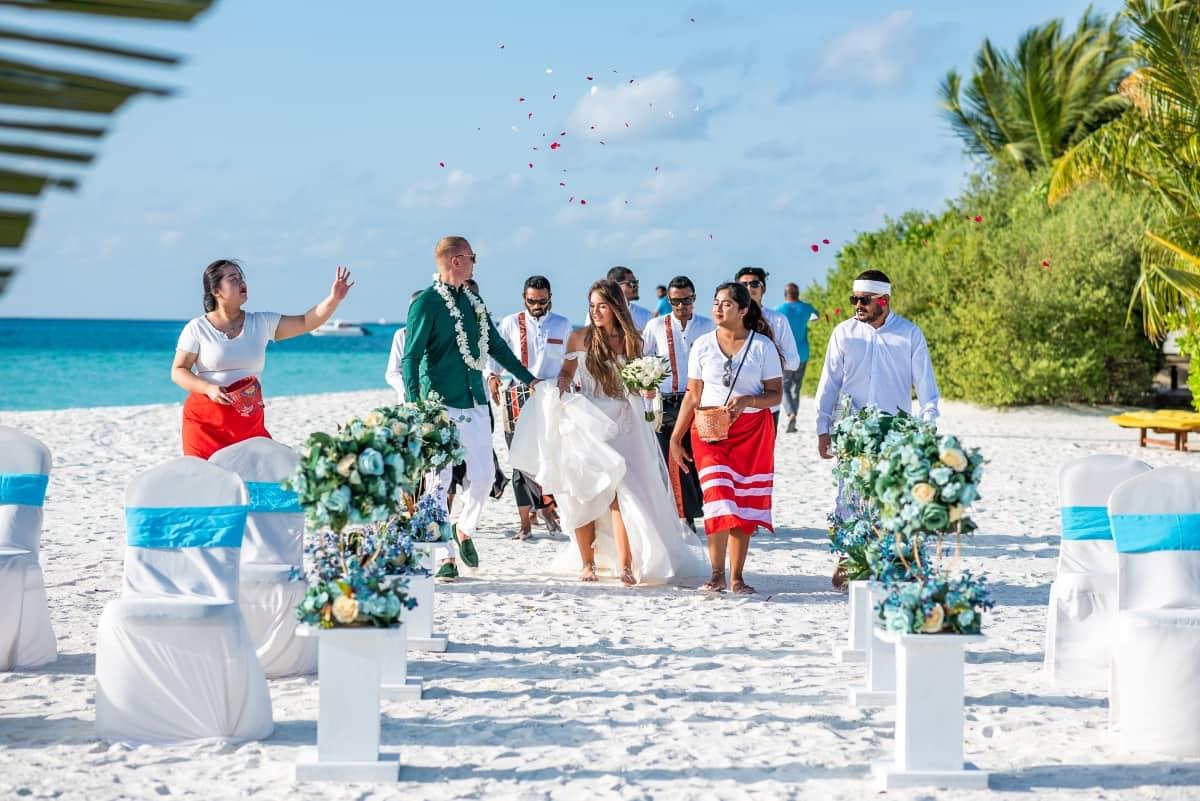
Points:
x=737 y=475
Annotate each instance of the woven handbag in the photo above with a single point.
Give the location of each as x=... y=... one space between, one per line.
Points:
x=712 y=422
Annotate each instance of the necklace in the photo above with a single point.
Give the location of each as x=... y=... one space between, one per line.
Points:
x=235 y=327
x=464 y=349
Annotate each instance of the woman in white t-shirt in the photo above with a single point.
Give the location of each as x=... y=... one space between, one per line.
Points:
x=736 y=367
x=221 y=354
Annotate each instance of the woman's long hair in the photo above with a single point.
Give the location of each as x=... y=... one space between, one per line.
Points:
x=754 y=320
x=212 y=279
x=601 y=360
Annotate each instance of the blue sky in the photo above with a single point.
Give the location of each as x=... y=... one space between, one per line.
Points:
x=307 y=135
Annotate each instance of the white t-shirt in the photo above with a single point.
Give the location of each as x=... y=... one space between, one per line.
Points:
x=707 y=363
x=223 y=361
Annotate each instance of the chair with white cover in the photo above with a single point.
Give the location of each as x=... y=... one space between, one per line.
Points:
x=272 y=547
x=174 y=661
x=1083 y=596
x=1156 y=640
x=26 y=637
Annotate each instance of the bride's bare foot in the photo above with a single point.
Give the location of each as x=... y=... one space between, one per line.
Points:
x=714 y=584
x=627 y=577
x=588 y=573
x=742 y=588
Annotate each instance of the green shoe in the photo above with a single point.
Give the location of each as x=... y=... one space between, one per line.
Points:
x=466 y=549
x=447 y=572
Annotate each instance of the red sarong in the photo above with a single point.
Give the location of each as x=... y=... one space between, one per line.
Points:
x=209 y=426
x=737 y=475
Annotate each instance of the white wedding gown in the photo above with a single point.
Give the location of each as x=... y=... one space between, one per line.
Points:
x=587 y=447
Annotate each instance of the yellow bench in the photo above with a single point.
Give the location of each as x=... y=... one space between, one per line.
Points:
x=1176 y=423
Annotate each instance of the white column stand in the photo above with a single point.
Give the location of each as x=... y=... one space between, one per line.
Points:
x=348 y=676
x=396 y=684
x=929 y=714
x=880 y=686
x=857 y=640
x=419 y=621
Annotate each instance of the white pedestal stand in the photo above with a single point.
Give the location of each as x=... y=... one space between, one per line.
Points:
x=880 y=686
x=395 y=683
x=857 y=641
x=929 y=714
x=348 y=674
x=420 y=620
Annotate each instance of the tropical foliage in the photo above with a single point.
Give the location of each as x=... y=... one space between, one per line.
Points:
x=1026 y=108
x=40 y=103
x=1155 y=149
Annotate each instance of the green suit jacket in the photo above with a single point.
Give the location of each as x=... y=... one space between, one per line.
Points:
x=431 y=361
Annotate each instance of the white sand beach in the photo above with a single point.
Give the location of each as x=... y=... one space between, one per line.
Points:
x=553 y=689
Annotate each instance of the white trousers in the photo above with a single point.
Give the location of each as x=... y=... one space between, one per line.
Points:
x=475 y=435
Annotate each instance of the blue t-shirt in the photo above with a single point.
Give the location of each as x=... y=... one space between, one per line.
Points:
x=664 y=307
x=798 y=314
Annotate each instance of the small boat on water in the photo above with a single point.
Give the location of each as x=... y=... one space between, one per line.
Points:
x=339 y=328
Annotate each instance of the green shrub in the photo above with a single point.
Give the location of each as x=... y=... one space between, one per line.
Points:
x=1027 y=305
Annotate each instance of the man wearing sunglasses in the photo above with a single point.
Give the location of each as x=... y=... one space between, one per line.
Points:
x=671 y=336
x=755 y=281
x=539 y=337
x=875 y=358
x=624 y=277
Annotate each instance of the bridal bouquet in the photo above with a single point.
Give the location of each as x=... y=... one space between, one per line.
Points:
x=643 y=375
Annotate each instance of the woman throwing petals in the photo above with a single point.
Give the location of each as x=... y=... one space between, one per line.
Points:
x=221 y=354
x=736 y=368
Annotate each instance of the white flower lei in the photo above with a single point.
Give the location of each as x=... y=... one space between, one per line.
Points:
x=460 y=333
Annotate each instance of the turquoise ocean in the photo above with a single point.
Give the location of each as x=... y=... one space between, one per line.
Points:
x=61 y=364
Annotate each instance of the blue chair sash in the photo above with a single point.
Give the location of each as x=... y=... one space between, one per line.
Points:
x=1085 y=523
x=268 y=496
x=185 y=526
x=1146 y=533
x=23 y=489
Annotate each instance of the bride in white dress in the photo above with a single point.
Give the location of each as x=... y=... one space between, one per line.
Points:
x=594 y=451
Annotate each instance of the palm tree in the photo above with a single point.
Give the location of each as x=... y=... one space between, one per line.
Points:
x=1155 y=148
x=41 y=104
x=1027 y=108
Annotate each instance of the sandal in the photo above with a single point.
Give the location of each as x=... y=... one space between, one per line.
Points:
x=742 y=588
x=714 y=584
x=627 y=577
x=588 y=573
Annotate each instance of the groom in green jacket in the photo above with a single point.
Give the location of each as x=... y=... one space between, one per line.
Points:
x=450 y=336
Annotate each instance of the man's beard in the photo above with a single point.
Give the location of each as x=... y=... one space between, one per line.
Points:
x=539 y=312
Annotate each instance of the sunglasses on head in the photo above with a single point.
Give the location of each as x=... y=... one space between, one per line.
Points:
x=861 y=300
x=754 y=284
x=688 y=301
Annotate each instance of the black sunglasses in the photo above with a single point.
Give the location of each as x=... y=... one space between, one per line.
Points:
x=864 y=300
x=755 y=284
x=630 y=282
x=688 y=301
x=727 y=378
x=532 y=302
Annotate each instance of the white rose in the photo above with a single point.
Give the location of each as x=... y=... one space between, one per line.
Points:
x=346 y=464
x=954 y=458
x=933 y=623
x=374 y=419
x=427 y=429
x=924 y=493
x=864 y=466
x=345 y=609
x=957 y=512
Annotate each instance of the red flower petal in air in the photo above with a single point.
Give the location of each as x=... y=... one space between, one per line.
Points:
x=589 y=77
x=593 y=128
x=555 y=145
x=978 y=218
x=824 y=241
x=529 y=116
x=1045 y=263
x=441 y=164
x=531 y=165
x=815 y=248
x=582 y=202
x=837 y=312
x=562 y=133
x=562 y=183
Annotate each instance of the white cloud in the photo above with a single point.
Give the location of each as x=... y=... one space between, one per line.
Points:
x=449 y=192
x=870 y=57
x=661 y=106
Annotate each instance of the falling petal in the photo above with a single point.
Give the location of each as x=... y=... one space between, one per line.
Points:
x=601 y=141
x=582 y=202
x=693 y=19
x=656 y=168
x=978 y=218
x=626 y=202
x=529 y=116
x=1045 y=263
x=562 y=183
x=589 y=77
x=555 y=145
x=626 y=125
x=562 y=133
x=554 y=97
x=824 y=241
x=837 y=312
x=593 y=128
x=710 y=236
x=501 y=47
x=571 y=199
x=520 y=100
x=815 y=248
x=441 y=164
x=631 y=80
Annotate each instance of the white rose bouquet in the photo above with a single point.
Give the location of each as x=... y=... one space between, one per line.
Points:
x=644 y=374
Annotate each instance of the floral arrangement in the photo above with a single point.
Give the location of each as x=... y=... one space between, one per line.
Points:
x=350 y=582
x=924 y=483
x=857 y=440
x=849 y=538
x=643 y=375
x=936 y=603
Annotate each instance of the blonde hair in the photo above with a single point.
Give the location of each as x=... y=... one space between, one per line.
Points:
x=601 y=360
x=448 y=246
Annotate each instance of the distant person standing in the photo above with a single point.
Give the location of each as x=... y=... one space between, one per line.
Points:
x=394 y=375
x=221 y=354
x=672 y=336
x=539 y=337
x=624 y=278
x=876 y=358
x=798 y=314
x=664 y=306
x=755 y=281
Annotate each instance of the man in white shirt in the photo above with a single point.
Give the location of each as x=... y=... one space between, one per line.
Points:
x=672 y=336
x=755 y=281
x=394 y=375
x=875 y=358
x=624 y=277
x=539 y=339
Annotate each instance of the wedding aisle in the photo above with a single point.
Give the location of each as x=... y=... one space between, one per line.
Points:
x=553 y=689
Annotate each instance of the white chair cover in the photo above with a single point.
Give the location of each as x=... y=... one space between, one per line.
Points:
x=1083 y=596
x=174 y=661
x=273 y=545
x=26 y=636
x=1156 y=650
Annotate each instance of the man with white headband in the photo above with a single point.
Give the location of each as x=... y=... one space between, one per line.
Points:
x=875 y=358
